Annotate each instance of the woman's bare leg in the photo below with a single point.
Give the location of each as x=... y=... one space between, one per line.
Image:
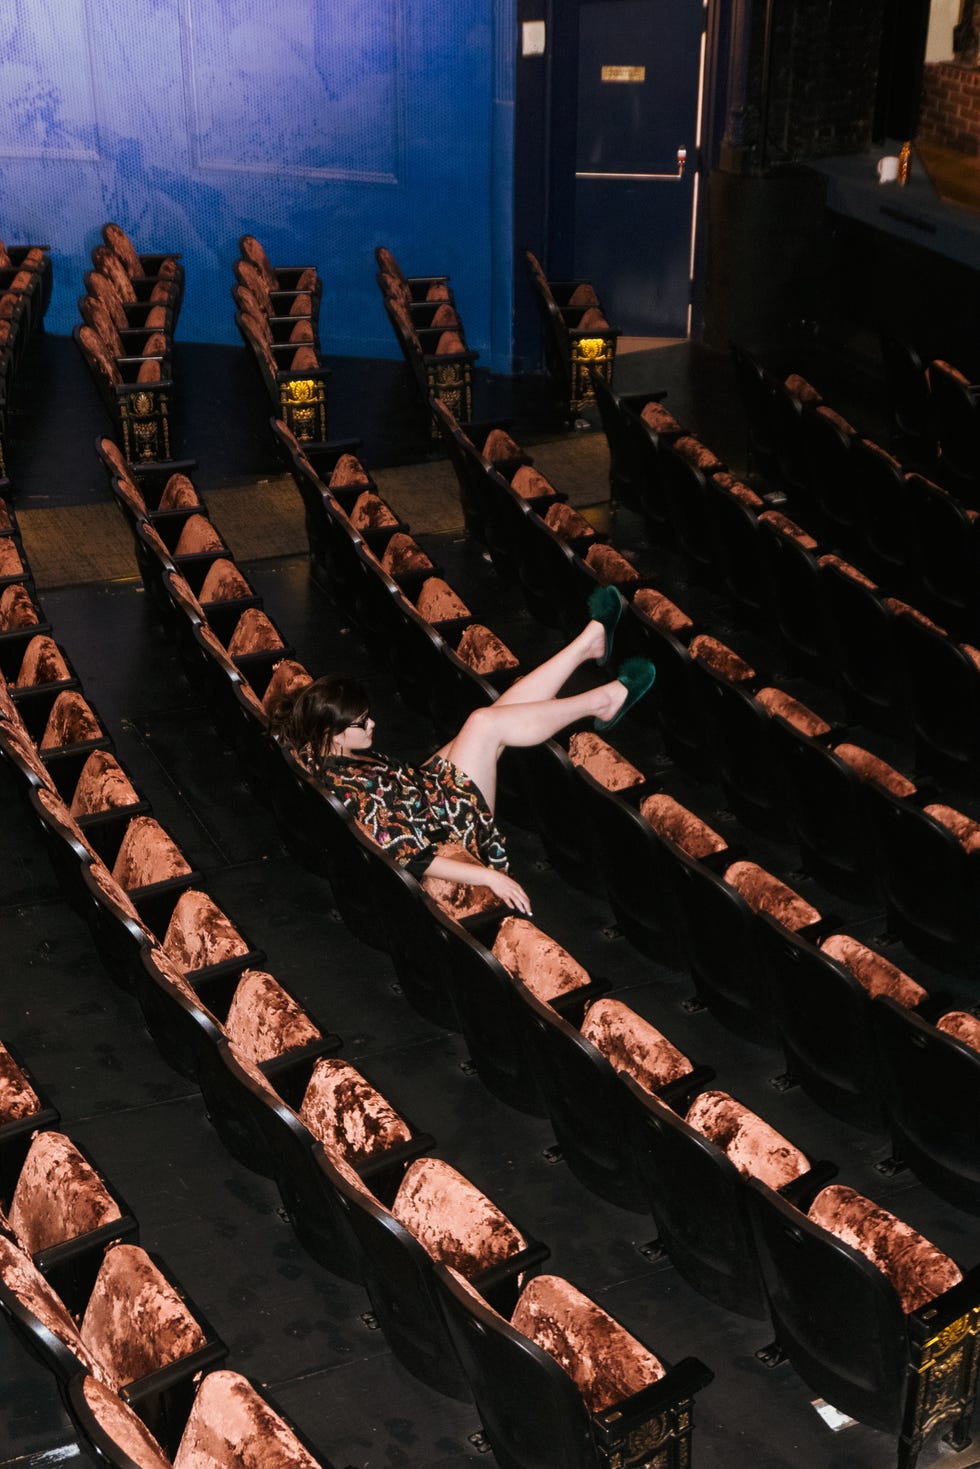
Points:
x=490 y=730
x=549 y=677
x=545 y=681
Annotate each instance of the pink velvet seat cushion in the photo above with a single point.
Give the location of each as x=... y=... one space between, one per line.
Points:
x=17 y=1097
x=126 y=1431
x=536 y=960
x=918 y=1271
x=741 y=491
x=871 y=767
x=456 y=1223
x=500 y=446
x=721 y=658
x=965 y=830
x=807 y=721
x=231 y=1426
x=606 y=1363
x=370 y=512
x=681 y=826
x=135 y=1322
x=10 y=562
x=199 y=934
x=304 y=360
x=567 y=523
x=460 y=899
x=449 y=344
x=198 y=535
x=848 y=570
x=872 y=970
x=604 y=763
x=20 y=1276
x=592 y=320
x=961 y=1026
x=6 y=521
x=657 y=417
x=224 y=583
x=788 y=528
x=254 y=633
x=102 y=785
x=836 y=419
x=16 y=608
x=612 y=568
x=661 y=610
x=345 y=1113
x=756 y=1149
x=531 y=484
x=42 y=663
x=179 y=494
x=58 y=1195
x=631 y=1044
x=584 y=294
x=402 y=556
x=288 y=678
x=147 y=855
x=263 y=1021
x=904 y=609
x=437 y=602
x=483 y=651
x=801 y=389
x=696 y=453
x=766 y=894
x=941 y=369
x=71 y=722
x=348 y=471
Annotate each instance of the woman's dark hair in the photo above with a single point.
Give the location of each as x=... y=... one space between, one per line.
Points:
x=311 y=719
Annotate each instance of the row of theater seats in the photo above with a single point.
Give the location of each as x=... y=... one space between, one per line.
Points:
x=542 y=1038
x=576 y=336
x=129 y=315
x=856 y=823
x=895 y=669
x=933 y=413
x=139 y=1364
x=429 y=331
x=916 y=536
x=416 y=1207
x=25 y=290
x=277 y=314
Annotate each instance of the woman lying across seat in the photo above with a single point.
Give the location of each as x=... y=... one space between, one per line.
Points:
x=412 y=811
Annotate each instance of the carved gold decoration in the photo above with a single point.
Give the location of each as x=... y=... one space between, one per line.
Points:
x=300 y=390
x=142 y=403
x=590 y=348
x=939 y=1344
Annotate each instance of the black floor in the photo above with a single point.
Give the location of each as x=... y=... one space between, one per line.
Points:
x=287 y=1321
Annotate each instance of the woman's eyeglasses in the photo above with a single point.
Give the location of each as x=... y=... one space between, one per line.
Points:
x=361 y=723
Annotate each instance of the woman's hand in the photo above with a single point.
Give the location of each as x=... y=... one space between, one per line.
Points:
x=474 y=873
x=505 y=888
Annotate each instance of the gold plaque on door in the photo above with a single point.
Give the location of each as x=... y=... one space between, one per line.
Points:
x=624 y=73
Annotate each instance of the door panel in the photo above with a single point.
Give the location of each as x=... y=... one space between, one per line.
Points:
x=638 y=78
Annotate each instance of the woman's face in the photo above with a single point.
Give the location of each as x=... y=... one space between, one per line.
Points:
x=358 y=736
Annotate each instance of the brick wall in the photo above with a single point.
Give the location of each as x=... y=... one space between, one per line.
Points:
x=950 y=116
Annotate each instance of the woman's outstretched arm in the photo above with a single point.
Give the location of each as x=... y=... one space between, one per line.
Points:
x=474 y=873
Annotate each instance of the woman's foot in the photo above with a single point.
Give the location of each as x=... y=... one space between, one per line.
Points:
x=606 y=606
x=634 y=679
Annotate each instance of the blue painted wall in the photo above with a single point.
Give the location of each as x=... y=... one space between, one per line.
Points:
x=325 y=127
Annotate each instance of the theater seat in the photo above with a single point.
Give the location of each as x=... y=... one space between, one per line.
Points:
x=930 y=1077
x=693 y=1160
x=888 y=1345
x=133 y=1323
x=62 y=1212
x=435 y=1215
x=231 y=1425
x=563 y=1385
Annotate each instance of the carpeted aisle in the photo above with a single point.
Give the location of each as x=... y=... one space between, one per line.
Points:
x=261 y=519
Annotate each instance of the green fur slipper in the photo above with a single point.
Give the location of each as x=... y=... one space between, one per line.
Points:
x=606 y=606
x=637 y=674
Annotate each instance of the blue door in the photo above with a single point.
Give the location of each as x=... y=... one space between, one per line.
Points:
x=636 y=160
